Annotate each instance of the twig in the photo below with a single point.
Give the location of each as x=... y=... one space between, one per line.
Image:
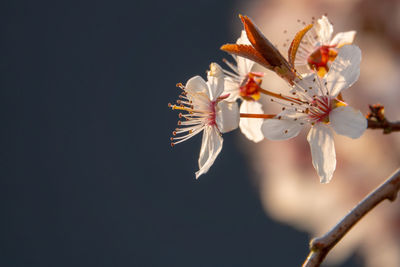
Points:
x=386 y=126
x=320 y=247
x=377 y=120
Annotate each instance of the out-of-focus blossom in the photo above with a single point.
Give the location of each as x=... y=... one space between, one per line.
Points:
x=244 y=84
x=317 y=49
x=207 y=112
x=315 y=103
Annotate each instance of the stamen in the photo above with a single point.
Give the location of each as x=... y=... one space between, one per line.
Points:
x=180 y=85
x=289 y=105
x=279 y=96
x=232 y=66
x=200 y=113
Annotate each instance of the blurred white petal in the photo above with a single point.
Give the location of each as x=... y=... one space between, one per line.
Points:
x=251 y=127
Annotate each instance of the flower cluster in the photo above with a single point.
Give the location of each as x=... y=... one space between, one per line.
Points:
x=317 y=71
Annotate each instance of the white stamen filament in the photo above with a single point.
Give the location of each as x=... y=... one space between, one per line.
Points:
x=201 y=112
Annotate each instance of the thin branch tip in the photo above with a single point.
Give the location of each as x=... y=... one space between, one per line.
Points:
x=320 y=246
x=377 y=120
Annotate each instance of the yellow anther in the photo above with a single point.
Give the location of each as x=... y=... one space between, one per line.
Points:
x=337 y=103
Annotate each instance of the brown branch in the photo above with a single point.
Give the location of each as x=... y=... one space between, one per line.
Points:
x=320 y=247
x=386 y=126
x=377 y=120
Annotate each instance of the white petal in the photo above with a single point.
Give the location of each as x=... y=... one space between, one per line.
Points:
x=244 y=65
x=231 y=87
x=215 y=78
x=227 y=117
x=344 y=70
x=196 y=85
x=251 y=127
x=348 y=121
x=281 y=129
x=302 y=67
x=210 y=148
x=243 y=38
x=308 y=85
x=323 y=153
x=343 y=38
x=324 y=30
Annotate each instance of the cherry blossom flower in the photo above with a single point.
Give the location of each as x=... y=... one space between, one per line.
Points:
x=316 y=47
x=207 y=112
x=244 y=84
x=315 y=102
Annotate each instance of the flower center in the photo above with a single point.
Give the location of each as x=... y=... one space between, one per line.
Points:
x=319 y=109
x=318 y=60
x=211 y=116
x=249 y=89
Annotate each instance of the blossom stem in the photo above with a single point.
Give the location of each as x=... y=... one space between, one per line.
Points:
x=280 y=96
x=258 y=116
x=320 y=247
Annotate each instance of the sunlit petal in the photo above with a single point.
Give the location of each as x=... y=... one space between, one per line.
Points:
x=251 y=127
x=343 y=38
x=215 y=81
x=348 y=121
x=231 y=87
x=227 y=117
x=324 y=29
x=244 y=65
x=210 y=148
x=196 y=85
x=323 y=153
x=345 y=70
x=281 y=129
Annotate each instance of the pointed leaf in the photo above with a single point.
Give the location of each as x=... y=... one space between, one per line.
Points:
x=261 y=43
x=267 y=50
x=294 y=46
x=248 y=52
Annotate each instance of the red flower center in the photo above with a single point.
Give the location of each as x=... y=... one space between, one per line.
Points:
x=318 y=60
x=249 y=88
x=319 y=109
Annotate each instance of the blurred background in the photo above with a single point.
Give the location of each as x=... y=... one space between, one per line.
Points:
x=88 y=177
x=288 y=184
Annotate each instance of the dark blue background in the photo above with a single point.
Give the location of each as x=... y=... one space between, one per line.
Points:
x=88 y=177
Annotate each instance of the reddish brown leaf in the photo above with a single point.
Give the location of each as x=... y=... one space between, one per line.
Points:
x=294 y=46
x=267 y=50
x=248 y=52
x=262 y=44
